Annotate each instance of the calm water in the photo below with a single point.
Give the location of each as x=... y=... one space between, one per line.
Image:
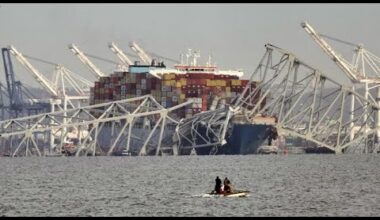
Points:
x=281 y=185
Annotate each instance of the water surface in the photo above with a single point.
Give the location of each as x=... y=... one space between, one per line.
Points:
x=280 y=185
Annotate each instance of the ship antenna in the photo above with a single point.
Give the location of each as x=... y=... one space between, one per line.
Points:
x=188 y=54
x=196 y=55
x=181 y=58
x=209 y=60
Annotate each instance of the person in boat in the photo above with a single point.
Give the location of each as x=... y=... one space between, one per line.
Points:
x=227 y=188
x=218 y=185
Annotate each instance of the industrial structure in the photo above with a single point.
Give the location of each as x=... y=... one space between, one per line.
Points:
x=363 y=71
x=310 y=105
x=83 y=58
x=31 y=135
x=147 y=59
x=66 y=89
x=306 y=103
x=120 y=54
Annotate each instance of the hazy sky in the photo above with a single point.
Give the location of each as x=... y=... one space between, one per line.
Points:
x=235 y=34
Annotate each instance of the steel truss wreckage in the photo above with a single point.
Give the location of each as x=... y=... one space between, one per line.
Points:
x=306 y=103
x=136 y=124
x=311 y=106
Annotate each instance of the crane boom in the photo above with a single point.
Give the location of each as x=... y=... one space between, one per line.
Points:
x=165 y=58
x=356 y=75
x=119 y=53
x=86 y=61
x=9 y=74
x=140 y=52
x=14 y=87
x=37 y=75
x=347 y=68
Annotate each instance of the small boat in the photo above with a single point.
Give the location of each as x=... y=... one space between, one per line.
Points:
x=267 y=149
x=125 y=153
x=238 y=193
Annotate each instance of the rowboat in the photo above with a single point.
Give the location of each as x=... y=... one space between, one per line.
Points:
x=237 y=193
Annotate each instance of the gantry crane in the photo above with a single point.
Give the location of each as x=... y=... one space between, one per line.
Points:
x=119 y=53
x=14 y=87
x=146 y=56
x=59 y=96
x=2 y=105
x=36 y=74
x=353 y=73
x=20 y=98
x=83 y=58
x=140 y=52
x=164 y=58
x=356 y=70
x=57 y=90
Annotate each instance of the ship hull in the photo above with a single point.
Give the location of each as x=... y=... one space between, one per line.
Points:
x=245 y=139
x=318 y=150
x=242 y=139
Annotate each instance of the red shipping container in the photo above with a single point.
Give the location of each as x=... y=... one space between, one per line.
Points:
x=244 y=82
x=204 y=102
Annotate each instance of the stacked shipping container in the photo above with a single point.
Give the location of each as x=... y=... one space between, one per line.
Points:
x=208 y=91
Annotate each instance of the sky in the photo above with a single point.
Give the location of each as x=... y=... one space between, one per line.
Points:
x=234 y=34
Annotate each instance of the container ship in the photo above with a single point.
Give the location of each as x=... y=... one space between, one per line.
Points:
x=202 y=84
x=207 y=86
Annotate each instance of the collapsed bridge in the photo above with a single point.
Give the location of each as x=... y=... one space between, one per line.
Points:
x=306 y=103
